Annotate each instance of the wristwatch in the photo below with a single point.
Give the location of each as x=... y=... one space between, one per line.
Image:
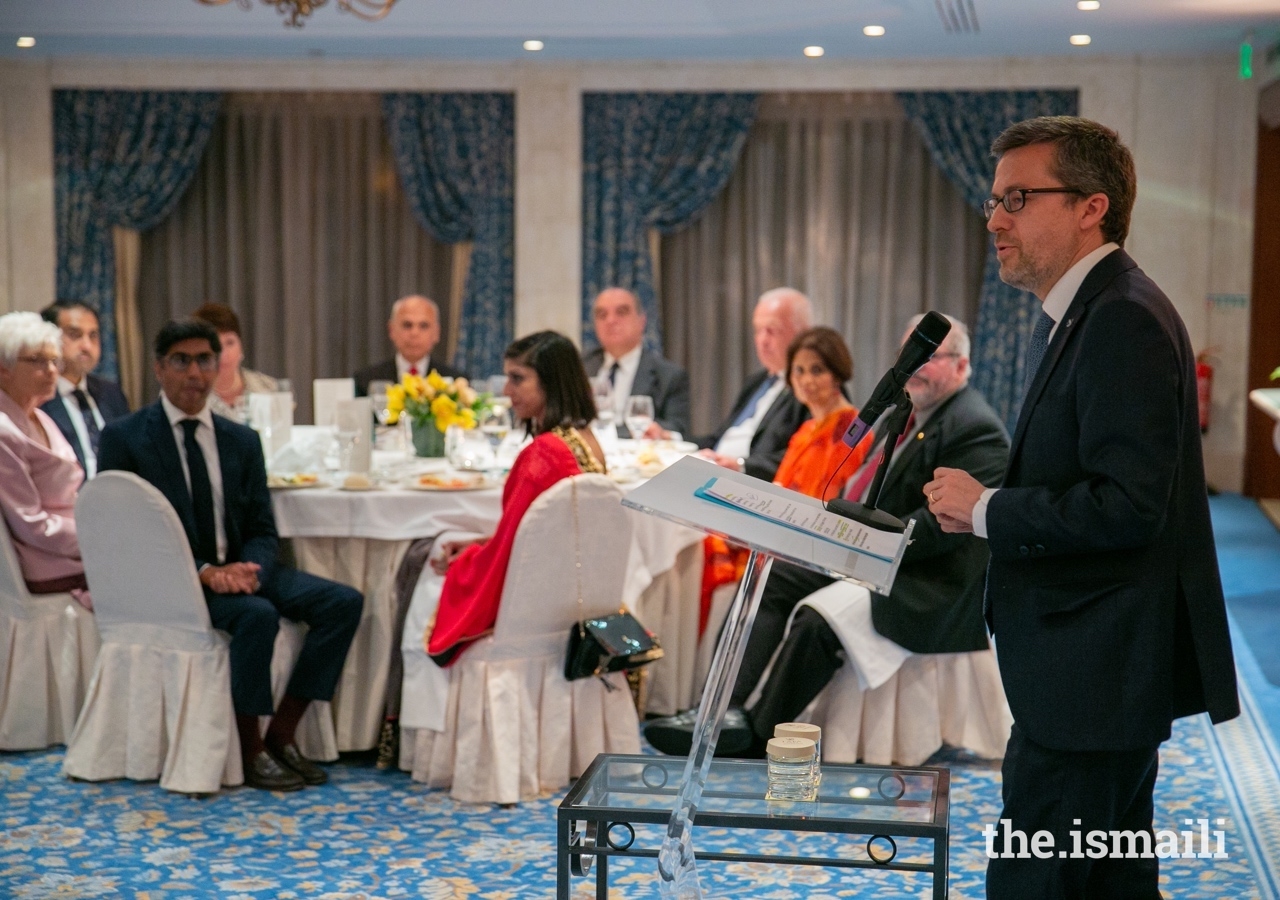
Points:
x=742 y=464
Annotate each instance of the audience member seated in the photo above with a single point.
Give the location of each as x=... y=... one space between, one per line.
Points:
x=755 y=435
x=39 y=475
x=634 y=370
x=818 y=461
x=414 y=329
x=84 y=403
x=936 y=602
x=211 y=470
x=550 y=393
x=234 y=384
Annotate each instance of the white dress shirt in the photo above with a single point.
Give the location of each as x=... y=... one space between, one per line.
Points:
x=65 y=392
x=628 y=365
x=403 y=365
x=736 y=441
x=1056 y=304
x=209 y=447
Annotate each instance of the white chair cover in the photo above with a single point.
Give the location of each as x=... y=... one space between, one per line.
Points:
x=514 y=726
x=159 y=705
x=48 y=643
x=931 y=699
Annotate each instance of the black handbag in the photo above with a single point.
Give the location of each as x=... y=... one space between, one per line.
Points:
x=607 y=643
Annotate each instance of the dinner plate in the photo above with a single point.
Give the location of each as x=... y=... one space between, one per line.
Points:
x=290 y=486
x=469 y=485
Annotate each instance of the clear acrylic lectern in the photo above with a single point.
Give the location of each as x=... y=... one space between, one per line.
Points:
x=773 y=523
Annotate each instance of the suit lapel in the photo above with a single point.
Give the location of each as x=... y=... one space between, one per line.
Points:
x=1098 y=278
x=913 y=445
x=57 y=410
x=160 y=433
x=645 y=383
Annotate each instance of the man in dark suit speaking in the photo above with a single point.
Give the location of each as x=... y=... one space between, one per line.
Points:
x=85 y=403
x=211 y=470
x=631 y=369
x=1103 y=592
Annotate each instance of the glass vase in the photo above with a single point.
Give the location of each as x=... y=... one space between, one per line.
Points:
x=428 y=440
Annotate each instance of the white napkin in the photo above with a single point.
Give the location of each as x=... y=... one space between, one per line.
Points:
x=357 y=415
x=326 y=392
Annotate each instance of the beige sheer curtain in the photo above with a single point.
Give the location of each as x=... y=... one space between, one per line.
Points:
x=296 y=219
x=835 y=195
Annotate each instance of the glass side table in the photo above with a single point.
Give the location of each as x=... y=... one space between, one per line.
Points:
x=596 y=819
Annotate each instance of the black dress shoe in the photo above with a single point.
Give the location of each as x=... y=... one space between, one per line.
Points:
x=264 y=773
x=293 y=761
x=674 y=734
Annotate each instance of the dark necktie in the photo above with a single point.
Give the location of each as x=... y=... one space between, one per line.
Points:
x=750 y=409
x=613 y=373
x=1035 y=350
x=206 y=548
x=863 y=481
x=90 y=423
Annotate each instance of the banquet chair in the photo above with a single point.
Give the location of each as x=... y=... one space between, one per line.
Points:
x=159 y=704
x=515 y=727
x=47 y=646
x=932 y=700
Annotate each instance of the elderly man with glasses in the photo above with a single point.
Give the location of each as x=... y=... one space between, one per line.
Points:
x=211 y=470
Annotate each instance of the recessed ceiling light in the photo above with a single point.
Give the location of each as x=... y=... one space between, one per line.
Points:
x=26 y=42
x=1088 y=5
x=533 y=45
x=873 y=31
x=814 y=51
x=1080 y=40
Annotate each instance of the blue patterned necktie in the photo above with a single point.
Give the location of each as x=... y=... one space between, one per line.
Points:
x=1039 y=343
x=90 y=423
x=750 y=409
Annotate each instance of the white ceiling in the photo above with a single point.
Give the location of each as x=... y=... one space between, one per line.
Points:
x=636 y=29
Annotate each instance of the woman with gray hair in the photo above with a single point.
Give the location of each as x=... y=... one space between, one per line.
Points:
x=39 y=475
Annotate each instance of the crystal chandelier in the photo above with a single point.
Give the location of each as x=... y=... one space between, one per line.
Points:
x=295 y=11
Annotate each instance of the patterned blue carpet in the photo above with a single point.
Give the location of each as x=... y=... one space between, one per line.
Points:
x=372 y=835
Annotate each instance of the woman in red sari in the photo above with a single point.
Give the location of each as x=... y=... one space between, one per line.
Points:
x=817 y=462
x=549 y=391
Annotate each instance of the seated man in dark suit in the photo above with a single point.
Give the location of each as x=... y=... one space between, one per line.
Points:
x=633 y=370
x=754 y=437
x=414 y=329
x=936 y=602
x=85 y=403
x=211 y=470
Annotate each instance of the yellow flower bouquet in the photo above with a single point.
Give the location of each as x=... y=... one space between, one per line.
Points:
x=431 y=405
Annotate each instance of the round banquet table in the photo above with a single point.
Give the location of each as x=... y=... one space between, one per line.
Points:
x=360 y=537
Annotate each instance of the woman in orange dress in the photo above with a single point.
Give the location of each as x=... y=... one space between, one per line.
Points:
x=817 y=461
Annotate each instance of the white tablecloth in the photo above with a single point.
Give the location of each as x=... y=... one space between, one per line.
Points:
x=360 y=537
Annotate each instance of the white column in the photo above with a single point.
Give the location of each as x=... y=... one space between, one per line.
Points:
x=549 y=202
x=27 y=242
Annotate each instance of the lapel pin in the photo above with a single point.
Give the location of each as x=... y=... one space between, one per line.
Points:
x=919 y=435
x=1067 y=324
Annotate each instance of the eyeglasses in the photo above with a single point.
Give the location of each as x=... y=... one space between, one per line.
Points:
x=43 y=362
x=180 y=362
x=1015 y=199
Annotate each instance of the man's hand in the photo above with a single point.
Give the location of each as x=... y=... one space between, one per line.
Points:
x=720 y=459
x=952 y=495
x=233 y=578
x=656 y=432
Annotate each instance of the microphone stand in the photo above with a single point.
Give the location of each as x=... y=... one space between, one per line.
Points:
x=867 y=514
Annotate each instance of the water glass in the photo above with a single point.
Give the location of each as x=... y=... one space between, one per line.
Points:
x=602 y=391
x=639 y=415
x=378 y=396
x=495 y=422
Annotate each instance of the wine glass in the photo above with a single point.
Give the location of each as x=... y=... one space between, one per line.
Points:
x=378 y=397
x=346 y=447
x=639 y=415
x=602 y=391
x=495 y=422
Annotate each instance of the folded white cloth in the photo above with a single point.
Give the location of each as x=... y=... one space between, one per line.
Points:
x=847 y=609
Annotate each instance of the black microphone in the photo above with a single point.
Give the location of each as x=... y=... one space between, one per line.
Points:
x=932 y=331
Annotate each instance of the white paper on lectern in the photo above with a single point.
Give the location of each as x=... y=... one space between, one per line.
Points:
x=672 y=494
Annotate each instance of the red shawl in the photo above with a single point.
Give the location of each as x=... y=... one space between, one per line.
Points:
x=473 y=586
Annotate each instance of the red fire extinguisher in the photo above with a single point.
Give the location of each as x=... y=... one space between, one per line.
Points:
x=1204 y=388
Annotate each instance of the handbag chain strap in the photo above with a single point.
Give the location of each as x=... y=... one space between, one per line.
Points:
x=577 y=553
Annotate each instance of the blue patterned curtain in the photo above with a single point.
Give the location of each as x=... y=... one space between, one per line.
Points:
x=958 y=127
x=121 y=158
x=456 y=157
x=650 y=161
